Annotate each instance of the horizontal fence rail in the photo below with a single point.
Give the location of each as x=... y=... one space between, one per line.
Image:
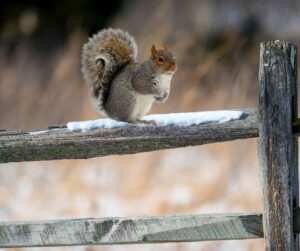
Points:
x=135 y=230
x=66 y=144
x=93 y=231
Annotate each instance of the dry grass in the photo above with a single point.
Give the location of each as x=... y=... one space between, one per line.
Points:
x=38 y=90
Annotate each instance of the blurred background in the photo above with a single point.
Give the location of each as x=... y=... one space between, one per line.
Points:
x=217 y=48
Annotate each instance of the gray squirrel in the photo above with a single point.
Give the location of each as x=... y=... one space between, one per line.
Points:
x=122 y=88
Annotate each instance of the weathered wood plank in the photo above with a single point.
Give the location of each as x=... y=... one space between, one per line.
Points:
x=65 y=144
x=99 y=231
x=277 y=148
x=131 y=230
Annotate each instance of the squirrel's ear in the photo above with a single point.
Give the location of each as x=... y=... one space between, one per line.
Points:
x=153 y=50
x=165 y=47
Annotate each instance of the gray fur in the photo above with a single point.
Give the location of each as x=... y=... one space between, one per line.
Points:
x=145 y=80
x=138 y=78
x=101 y=59
x=122 y=88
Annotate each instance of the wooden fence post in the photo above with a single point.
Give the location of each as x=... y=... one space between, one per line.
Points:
x=277 y=147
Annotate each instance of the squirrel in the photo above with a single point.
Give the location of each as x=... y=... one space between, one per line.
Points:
x=122 y=88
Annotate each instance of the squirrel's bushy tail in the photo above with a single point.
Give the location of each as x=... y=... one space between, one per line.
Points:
x=103 y=55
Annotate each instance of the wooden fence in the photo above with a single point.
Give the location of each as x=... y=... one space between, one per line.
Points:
x=278 y=156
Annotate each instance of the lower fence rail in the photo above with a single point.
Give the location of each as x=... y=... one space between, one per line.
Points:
x=134 y=230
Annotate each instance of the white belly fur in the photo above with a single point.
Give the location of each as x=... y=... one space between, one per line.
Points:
x=165 y=80
x=142 y=106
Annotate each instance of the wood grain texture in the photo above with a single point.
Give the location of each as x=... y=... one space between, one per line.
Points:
x=134 y=230
x=99 y=231
x=65 y=144
x=277 y=147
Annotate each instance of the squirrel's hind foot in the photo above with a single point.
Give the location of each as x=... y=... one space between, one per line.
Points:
x=147 y=122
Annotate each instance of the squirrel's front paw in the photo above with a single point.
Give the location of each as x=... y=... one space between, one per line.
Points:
x=147 y=122
x=163 y=98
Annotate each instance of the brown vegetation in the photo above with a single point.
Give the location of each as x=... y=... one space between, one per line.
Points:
x=217 y=46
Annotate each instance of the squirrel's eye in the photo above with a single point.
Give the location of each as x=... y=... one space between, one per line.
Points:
x=161 y=59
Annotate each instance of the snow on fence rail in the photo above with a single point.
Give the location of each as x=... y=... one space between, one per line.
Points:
x=277 y=147
x=125 y=138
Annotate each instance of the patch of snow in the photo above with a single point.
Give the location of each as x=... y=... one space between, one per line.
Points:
x=43 y=131
x=94 y=124
x=38 y=132
x=110 y=205
x=181 y=196
x=219 y=206
x=178 y=119
x=233 y=245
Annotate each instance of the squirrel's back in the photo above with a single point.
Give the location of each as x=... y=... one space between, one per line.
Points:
x=103 y=56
